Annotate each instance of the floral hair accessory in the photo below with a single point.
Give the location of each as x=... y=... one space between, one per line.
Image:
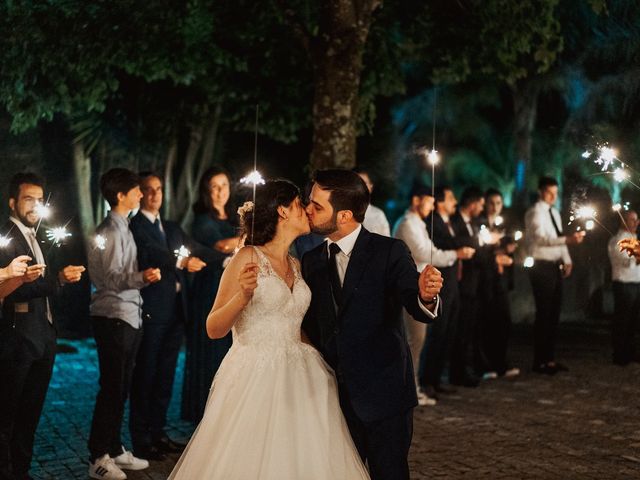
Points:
x=245 y=208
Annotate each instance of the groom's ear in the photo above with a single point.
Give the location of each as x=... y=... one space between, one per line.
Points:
x=345 y=216
x=12 y=204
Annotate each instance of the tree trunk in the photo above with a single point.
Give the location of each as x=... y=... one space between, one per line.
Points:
x=172 y=156
x=82 y=172
x=336 y=54
x=525 y=105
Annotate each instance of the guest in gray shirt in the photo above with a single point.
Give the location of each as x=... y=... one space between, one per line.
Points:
x=116 y=308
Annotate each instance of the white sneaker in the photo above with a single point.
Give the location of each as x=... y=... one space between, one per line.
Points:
x=424 y=400
x=105 y=468
x=512 y=372
x=127 y=461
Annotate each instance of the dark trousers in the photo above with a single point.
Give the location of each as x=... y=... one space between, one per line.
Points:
x=462 y=338
x=625 y=321
x=437 y=346
x=117 y=344
x=546 y=283
x=383 y=445
x=153 y=380
x=493 y=329
x=25 y=371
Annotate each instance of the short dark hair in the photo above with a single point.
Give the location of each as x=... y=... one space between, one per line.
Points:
x=203 y=203
x=545 y=182
x=440 y=192
x=363 y=171
x=263 y=217
x=148 y=174
x=23 y=178
x=115 y=181
x=470 y=195
x=492 y=192
x=420 y=190
x=348 y=191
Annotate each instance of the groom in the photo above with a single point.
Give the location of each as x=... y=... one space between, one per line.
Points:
x=359 y=282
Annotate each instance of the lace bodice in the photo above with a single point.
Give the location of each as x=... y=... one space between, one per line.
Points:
x=274 y=315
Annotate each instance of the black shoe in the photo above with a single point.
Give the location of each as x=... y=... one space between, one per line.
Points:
x=468 y=381
x=545 y=369
x=166 y=445
x=446 y=389
x=150 y=453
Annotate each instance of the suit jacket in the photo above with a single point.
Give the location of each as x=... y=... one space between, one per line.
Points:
x=364 y=340
x=471 y=268
x=156 y=250
x=442 y=238
x=24 y=311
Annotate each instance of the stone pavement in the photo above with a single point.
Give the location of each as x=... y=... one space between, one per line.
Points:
x=584 y=424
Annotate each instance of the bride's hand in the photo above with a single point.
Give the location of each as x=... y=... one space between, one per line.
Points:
x=248 y=280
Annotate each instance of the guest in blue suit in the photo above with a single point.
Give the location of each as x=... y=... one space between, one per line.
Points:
x=214 y=226
x=164 y=317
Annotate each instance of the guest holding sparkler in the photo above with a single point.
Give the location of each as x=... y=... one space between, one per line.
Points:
x=160 y=243
x=27 y=332
x=547 y=245
x=412 y=230
x=214 y=225
x=496 y=280
x=625 y=276
x=116 y=317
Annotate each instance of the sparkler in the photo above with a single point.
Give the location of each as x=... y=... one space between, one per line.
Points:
x=57 y=235
x=43 y=210
x=484 y=234
x=528 y=262
x=4 y=241
x=616 y=208
x=517 y=235
x=588 y=214
x=182 y=253
x=101 y=242
x=498 y=221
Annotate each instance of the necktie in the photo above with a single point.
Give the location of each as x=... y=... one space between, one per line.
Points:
x=39 y=258
x=450 y=228
x=555 y=225
x=158 y=227
x=334 y=277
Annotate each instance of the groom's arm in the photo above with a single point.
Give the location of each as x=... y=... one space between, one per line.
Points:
x=309 y=331
x=404 y=276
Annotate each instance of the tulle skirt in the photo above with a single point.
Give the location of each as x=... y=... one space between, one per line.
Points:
x=272 y=413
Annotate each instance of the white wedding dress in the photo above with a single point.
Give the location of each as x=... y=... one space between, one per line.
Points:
x=273 y=410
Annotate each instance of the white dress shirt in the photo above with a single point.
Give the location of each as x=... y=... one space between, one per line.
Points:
x=29 y=234
x=346 y=245
x=623 y=268
x=543 y=242
x=376 y=221
x=412 y=230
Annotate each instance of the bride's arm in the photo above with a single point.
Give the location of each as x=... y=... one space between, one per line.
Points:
x=237 y=285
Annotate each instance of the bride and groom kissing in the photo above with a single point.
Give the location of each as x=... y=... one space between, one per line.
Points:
x=319 y=381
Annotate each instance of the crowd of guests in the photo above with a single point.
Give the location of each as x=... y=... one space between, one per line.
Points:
x=152 y=282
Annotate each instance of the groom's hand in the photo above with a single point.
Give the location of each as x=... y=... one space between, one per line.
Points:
x=429 y=284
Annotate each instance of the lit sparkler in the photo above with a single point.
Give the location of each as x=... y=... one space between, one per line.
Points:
x=528 y=262
x=4 y=241
x=484 y=234
x=57 y=235
x=182 y=253
x=101 y=242
x=433 y=157
x=620 y=174
x=254 y=179
x=517 y=236
x=498 y=221
x=616 y=208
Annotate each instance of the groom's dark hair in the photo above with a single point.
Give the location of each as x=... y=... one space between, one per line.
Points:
x=348 y=191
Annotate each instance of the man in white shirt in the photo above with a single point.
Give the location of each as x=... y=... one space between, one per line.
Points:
x=625 y=276
x=412 y=230
x=374 y=218
x=547 y=244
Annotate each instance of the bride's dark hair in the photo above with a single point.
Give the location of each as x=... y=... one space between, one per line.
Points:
x=270 y=196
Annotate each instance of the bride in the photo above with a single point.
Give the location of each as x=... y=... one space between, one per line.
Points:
x=273 y=410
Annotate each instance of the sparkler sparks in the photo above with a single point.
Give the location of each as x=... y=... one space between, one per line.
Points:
x=182 y=253
x=57 y=235
x=43 y=210
x=101 y=242
x=4 y=241
x=517 y=236
x=620 y=174
x=433 y=157
x=498 y=221
x=254 y=178
x=528 y=262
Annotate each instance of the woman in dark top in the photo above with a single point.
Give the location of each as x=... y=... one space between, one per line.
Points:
x=214 y=225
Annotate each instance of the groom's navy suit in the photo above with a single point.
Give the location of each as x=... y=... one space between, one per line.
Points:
x=164 y=315
x=363 y=340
